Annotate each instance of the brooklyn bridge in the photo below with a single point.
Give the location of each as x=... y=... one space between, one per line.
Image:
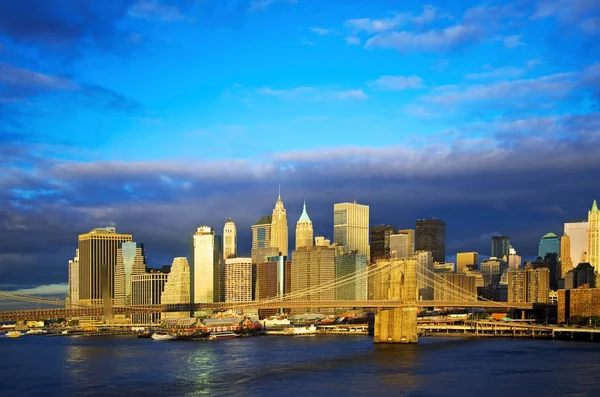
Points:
x=395 y=301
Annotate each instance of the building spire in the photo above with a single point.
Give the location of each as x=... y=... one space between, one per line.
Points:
x=594 y=207
x=279 y=194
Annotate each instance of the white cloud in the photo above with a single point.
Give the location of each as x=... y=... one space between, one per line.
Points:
x=154 y=10
x=398 y=19
x=433 y=40
x=553 y=86
x=352 y=40
x=259 y=5
x=498 y=73
x=322 y=31
x=396 y=83
x=312 y=93
x=513 y=41
x=591 y=25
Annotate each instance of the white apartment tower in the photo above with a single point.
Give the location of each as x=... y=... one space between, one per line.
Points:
x=206 y=269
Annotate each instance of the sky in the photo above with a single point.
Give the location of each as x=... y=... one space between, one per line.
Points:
x=159 y=116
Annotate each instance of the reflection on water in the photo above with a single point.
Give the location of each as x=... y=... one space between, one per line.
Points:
x=315 y=366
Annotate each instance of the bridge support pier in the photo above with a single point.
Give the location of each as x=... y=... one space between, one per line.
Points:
x=398 y=325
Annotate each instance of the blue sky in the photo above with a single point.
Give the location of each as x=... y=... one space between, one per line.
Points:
x=160 y=115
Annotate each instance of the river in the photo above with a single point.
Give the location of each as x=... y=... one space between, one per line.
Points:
x=297 y=366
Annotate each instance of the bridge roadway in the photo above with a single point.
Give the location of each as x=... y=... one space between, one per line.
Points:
x=96 y=311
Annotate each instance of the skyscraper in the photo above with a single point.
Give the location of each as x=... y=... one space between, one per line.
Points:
x=577 y=232
x=351 y=227
x=304 y=230
x=410 y=233
x=206 y=266
x=177 y=287
x=380 y=240
x=130 y=260
x=347 y=265
x=261 y=235
x=399 y=246
x=500 y=246
x=238 y=279
x=424 y=274
x=279 y=227
x=593 y=237
x=312 y=267
x=73 y=294
x=229 y=239
x=566 y=263
x=431 y=236
x=529 y=284
x=147 y=289
x=549 y=244
x=514 y=260
x=97 y=263
x=468 y=260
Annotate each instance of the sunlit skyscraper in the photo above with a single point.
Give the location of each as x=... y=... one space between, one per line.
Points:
x=279 y=227
x=351 y=227
x=549 y=244
x=578 y=234
x=177 y=287
x=229 y=239
x=593 y=239
x=131 y=260
x=97 y=263
x=566 y=263
x=304 y=230
x=73 y=294
x=206 y=266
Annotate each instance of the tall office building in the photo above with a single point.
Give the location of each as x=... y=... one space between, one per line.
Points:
x=206 y=267
x=577 y=232
x=351 y=227
x=261 y=235
x=565 y=255
x=131 y=260
x=425 y=269
x=270 y=280
x=491 y=269
x=73 y=294
x=452 y=287
x=593 y=237
x=312 y=267
x=466 y=260
x=97 y=263
x=514 y=260
x=229 y=239
x=399 y=246
x=304 y=230
x=238 y=279
x=410 y=233
x=549 y=244
x=431 y=236
x=279 y=227
x=348 y=265
x=529 y=285
x=583 y=275
x=500 y=246
x=177 y=287
x=147 y=289
x=380 y=240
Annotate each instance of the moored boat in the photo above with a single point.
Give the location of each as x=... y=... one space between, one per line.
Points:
x=222 y=335
x=157 y=336
x=13 y=334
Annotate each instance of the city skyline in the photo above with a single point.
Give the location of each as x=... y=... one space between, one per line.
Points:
x=131 y=114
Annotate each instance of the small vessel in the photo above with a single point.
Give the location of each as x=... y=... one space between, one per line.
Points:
x=222 y=335
x=13 y=334
x=144 y=335
x=157 y=336
x=36 y=332
x=301 y=331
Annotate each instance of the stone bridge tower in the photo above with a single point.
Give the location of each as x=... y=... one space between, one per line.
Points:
x=397 y=282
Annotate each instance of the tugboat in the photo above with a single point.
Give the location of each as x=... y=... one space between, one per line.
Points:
x=13 y=334
x=145 y=335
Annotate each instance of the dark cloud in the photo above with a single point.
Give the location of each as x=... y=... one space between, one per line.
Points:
x=515 y=182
